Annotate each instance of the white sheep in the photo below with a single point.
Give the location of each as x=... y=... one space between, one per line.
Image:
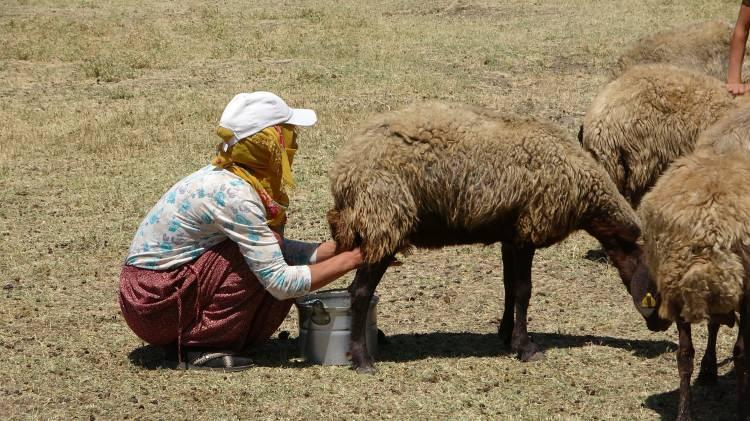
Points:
x=696 y=225
x=648 y=117
x=703 y=47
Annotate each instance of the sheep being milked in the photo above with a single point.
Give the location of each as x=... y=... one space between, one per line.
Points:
x=436 y=174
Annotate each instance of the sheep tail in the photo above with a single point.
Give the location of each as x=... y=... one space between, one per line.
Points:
x=342 y=229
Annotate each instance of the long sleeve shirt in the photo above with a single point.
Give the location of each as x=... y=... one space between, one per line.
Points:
x=208 y=207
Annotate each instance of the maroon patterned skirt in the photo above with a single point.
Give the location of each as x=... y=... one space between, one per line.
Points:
x=214 y=301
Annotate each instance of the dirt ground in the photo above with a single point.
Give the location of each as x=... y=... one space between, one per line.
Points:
x=104 y=104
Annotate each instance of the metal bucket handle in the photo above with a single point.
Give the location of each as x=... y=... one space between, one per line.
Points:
x=320 y=315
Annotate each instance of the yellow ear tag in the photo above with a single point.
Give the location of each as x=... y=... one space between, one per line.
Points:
x=648 y=301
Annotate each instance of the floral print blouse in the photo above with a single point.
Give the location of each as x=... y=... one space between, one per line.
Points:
x=208 y=207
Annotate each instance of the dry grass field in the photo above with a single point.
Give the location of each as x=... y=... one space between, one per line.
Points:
x=104 y=104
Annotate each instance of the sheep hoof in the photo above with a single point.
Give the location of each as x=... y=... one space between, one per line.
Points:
x=366 y=370
x=709 y=373
x=707 y=378
x=532 y=356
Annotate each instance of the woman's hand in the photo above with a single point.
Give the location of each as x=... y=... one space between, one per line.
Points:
x=327 y=249
x=331 y=269
x=355 y=257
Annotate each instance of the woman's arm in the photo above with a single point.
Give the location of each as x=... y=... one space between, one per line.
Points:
x=325 y=251
x=304 y=253
x=334 y=267
x=243 y=221
x=737 y=52
x=325 y=265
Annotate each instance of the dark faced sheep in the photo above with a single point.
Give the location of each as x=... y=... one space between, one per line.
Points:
x=434 y=175
x=647 y=118
x=703 y=47
x=696 y=224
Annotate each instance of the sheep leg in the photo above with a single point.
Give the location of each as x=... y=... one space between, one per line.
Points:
x=362 y=288
x=685 y=353
x=741 y=364
x=520 y=340
x=506 y=325
x=709 y=371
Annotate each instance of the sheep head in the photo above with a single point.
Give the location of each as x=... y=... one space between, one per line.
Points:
x=622 y=244
x=646 y=298
x=640 y=284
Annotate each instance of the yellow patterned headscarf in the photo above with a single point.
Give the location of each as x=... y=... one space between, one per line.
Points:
x=264 y=160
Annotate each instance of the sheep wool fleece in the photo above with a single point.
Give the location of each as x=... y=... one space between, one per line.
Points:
x=731 y=134
x=650 y=116
x=696 y=226
x=702 y=46
x=436 y=174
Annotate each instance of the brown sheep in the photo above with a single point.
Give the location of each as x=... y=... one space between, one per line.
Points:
x=696 y=224
x=438 y=174
x=731 y=134
x=647 y=118
x=703 y=47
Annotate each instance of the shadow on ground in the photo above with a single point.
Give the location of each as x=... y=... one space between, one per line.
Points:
x=416 y=346
x=708 y=402
x=409 y=347
x=596 y=255
x=150 y=357
x=275 y=353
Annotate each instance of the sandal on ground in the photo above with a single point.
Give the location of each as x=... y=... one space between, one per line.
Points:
x=219 y=361
x=206 y=360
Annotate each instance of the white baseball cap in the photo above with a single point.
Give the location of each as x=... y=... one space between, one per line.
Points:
x=249 y=113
